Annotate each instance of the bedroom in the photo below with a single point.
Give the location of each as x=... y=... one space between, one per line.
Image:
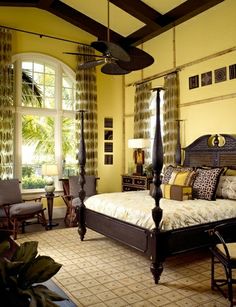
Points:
x=191 y=44
x=214 y=103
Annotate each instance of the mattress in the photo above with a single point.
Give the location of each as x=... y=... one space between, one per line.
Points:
x=136 y=207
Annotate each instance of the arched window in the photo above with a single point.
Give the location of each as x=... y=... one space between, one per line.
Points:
x=45 y=113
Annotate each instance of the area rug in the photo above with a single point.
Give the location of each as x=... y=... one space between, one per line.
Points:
x=101 y=272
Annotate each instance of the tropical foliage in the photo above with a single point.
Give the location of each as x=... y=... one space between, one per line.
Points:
x=21 y=277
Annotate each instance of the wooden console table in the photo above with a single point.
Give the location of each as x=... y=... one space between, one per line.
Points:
x=135 y=183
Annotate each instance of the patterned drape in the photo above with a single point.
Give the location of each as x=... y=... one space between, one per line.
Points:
x=142 y=114
x=6 y=103
x=170 y=117
x=86 y=99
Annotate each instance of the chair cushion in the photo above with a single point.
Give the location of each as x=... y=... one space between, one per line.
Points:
x=10 y=191
x=231 y=248
x=89 y=187
x=25 y=208
x=76 y=201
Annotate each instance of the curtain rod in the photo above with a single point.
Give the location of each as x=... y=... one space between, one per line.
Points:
x=179 y=68
x=153 y=77
x=44 y=35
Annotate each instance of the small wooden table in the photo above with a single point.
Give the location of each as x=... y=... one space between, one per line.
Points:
x=50 y=197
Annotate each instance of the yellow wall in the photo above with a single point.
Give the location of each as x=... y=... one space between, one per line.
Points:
x=210 y=32
x=209 y=109
x=110 y=94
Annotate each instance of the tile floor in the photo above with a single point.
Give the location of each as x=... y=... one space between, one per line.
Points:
x=101 y=272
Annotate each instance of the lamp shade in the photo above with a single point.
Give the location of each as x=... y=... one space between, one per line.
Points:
x=138 y=143
x=49 y=170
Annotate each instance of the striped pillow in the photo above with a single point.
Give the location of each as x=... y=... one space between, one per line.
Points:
x=176 y=192
x=183 y=178
x=170 y=169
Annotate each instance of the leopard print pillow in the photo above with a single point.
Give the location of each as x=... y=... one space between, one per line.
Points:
x=205 y=183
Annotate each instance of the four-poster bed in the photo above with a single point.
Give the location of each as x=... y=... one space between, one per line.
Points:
x=157 y=243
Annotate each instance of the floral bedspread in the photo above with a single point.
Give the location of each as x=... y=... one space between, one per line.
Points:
x=136 y=207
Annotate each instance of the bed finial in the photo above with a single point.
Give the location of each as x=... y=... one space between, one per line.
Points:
x=216 y=140
x=157 y=163
x=82 y=162
x=178 y=144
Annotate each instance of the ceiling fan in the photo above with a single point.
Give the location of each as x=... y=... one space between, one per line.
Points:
x=116 y=60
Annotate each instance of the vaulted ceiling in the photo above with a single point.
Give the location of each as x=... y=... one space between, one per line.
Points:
x=130 y=21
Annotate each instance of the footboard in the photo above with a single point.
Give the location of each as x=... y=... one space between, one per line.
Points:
x=129 y=234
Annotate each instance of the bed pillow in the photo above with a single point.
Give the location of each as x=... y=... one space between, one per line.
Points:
x=230 y=172
x=182 y=177
x=205 y=183
x=176 y=192
x=226 y=187
x=169 y=170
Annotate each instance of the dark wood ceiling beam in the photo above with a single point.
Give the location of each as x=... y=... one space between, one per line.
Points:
x=26 y=3
x=82 y=21
x=139 y=10
x=44 y=4
x=176 y=16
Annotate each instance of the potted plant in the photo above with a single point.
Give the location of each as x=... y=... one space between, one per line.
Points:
x=22 y=272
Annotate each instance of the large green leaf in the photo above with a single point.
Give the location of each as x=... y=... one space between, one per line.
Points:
x=41 y=269
x=26 y=252
x=43 y=290
x=4 y=246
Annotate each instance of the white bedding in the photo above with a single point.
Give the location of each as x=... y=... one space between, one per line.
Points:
x=135 y=207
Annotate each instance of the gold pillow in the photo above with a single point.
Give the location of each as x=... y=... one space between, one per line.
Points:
x=230 y=172
x=176 y=192
x=183 y=178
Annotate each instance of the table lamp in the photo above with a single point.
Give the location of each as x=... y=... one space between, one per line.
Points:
x=139 y=155
x=49 y=170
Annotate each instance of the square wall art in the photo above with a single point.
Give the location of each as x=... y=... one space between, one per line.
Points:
x=220 y=74
x=193 y=82
x=206 y=78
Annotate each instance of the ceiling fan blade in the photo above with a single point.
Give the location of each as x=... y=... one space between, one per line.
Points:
x=113 y=69
x=139 y=59
x=109 y=48
x=91 y=64
x=85 y=54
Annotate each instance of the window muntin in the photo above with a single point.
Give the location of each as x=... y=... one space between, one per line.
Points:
x=41 y=76
x=47 y=80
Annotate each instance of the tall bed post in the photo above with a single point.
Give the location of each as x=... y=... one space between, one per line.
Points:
x=157 y=164
x=82 y=161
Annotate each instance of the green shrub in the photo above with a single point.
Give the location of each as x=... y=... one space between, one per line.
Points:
x=33 y=182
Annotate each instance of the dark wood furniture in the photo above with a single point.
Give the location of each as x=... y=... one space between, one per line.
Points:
x=223 y=253
x=156 y=243
x=70 y=217
x=50 y=198
x=135 y=183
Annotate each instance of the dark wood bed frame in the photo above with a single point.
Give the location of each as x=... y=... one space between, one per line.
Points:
x=155 y=243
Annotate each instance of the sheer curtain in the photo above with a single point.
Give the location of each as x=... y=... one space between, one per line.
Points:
x=6 y=105
x=86 y=99
x=142 y=114
x=170 y=117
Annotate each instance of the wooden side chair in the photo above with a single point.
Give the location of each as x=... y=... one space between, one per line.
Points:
x=72 y=200
x=17 y=211
x=224 y=253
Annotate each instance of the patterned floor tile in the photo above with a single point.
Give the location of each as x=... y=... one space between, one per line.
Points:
x=99 y=272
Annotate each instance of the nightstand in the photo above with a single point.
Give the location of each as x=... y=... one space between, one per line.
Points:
x=135 y=183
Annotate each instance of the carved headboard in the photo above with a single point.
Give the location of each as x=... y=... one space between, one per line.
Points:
x=212 y=150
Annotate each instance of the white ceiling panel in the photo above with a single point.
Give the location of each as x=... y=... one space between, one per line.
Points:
x=120 y=21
